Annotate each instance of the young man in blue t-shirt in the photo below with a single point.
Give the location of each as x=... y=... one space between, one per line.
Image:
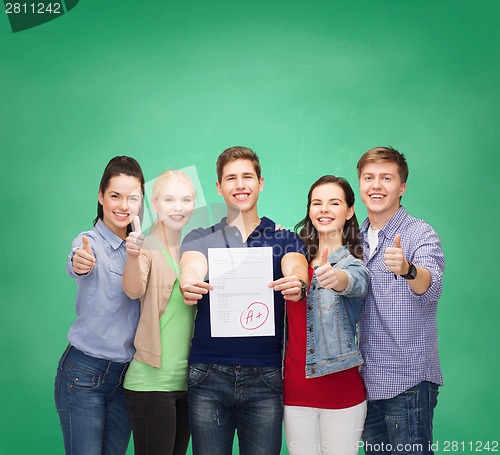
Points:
x=235 y=383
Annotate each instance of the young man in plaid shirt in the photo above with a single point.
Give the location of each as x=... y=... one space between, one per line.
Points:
x=397 y=328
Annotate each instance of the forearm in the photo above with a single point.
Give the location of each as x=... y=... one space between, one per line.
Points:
x=132 y=277
x=422 y=281
x=194 y=267
x=295 y=264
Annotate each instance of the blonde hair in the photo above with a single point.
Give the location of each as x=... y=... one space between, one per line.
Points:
x=167 y=176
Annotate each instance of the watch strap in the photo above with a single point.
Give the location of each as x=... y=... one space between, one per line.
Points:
x=412 y=272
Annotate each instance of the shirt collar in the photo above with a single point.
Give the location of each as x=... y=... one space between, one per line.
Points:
x=392 y=226
x=108 y=235
x=338 y=254
x=265 y=223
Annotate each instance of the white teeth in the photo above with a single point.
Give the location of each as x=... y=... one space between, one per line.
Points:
x=324 y=220
x=121 y=215
x=240 y=197
x=376 y=196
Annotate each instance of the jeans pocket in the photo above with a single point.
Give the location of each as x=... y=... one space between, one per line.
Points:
x=402 y=423
x=272 y=377
x=80 y=379
x=197 y=373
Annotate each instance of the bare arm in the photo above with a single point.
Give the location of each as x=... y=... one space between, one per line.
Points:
x=194 y=268
x=294 y=268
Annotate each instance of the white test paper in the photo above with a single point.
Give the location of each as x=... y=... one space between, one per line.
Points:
x=241 y=303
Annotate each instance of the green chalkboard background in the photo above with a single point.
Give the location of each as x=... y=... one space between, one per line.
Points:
x=309 y=85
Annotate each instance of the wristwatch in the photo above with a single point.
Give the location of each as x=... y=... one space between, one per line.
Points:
x=412 y=272
x=303 y=289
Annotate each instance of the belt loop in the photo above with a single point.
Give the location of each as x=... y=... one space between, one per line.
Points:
x=65 y=354
x=124 y=371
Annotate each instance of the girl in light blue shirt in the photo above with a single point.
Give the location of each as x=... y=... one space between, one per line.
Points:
x=89 y=382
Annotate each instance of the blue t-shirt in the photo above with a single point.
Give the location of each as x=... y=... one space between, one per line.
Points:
x=107 y=318
x=245 y=351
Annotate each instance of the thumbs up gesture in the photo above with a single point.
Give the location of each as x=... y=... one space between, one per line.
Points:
x=328 y=277
x=135 y=239
x=83 y=259
x=394 y=258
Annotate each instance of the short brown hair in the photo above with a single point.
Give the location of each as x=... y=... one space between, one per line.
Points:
x=237 y=153
x=385 y=154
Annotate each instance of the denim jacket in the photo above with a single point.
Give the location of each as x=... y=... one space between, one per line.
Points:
x=332 y=318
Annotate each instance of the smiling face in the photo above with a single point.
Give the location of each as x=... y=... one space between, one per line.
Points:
x=328 y=209
x=381 y=188
x=120 y=203
x=240 y=186
x=174 y=203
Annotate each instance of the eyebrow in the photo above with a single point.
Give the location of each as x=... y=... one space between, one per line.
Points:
x=329 y=200
x=377 y=173
x=244 y=174
x=171 y=195
x=139 y=194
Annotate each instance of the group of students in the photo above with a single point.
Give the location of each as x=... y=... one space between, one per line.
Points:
x=354 y=353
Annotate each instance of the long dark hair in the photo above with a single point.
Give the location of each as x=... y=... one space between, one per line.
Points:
x=350 y=234
x=120 y=165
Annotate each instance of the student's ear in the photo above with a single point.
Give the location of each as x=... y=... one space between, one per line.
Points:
x=217 y=185
x=261 y=184
x=402 y=189
x=100 y=197
x=350 y=213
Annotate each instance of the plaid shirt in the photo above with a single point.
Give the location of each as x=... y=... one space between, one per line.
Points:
x=397 y=328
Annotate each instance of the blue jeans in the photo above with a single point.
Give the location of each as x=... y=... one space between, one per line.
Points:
x=403 y=424
x=91 y=404
x=225 y=399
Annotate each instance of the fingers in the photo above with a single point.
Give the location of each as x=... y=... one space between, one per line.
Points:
x=83 y=260
x=326 y=276
x=135 y=239
x=325 y=273
x=285 y=283
x=290 y=287
x=86 y=245
x=394 y=257
x=136 y=225
x=194 y=291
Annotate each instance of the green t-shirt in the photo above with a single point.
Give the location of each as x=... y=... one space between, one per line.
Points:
x=176 y=331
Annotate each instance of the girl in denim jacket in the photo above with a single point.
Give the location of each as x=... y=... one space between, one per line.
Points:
x=324 y=395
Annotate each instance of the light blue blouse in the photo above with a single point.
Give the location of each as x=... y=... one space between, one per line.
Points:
x=107 y=318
